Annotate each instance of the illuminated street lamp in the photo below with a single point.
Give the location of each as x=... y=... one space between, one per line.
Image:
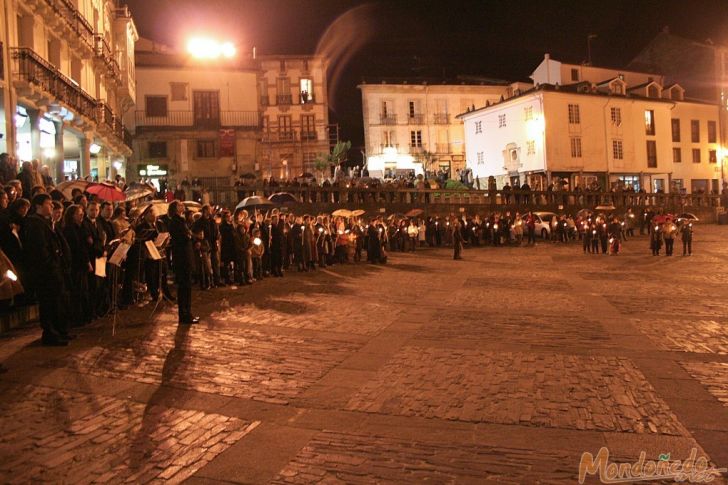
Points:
x=206 y=48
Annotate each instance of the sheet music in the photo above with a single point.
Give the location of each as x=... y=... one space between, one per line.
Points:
x=161 y=239
x=152 y=249
x=120 y=254
x=101 y=267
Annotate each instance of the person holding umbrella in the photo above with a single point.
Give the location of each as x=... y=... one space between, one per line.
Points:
x=184 y=260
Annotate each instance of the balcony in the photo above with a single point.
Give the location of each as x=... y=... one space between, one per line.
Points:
x=416 y=119
x=186 y=119
x=389 y=147
x=63 y=17
x=416 y=149
x=42 y=83
x=308 y=135
x=442 y=148
x=126 y=92
x=110 y=124
x=284 y=99
x=441 y=118
x=105 y=59
x=388 y=119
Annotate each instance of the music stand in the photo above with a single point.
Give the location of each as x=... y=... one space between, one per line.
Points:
x=117 y=257
x=153 y=248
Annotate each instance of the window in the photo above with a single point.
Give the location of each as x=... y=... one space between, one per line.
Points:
x=481 y=158
x=156 y=106
x=696 y=155
x=653 y=92
x=308 y=127
x=649 y=122
x=574 y=74
x=306 y=90
x=528 y=112
x=676 y=155
x=284 y=127
x=283 y=90
x=616 y=116
x=385 y=108
x=617 y=88
x=157 y=149
x=179 y=91
x=205 y=148
x=309 y=160
x=530 y=147
x=617 y=150
x=416 y=138
x=675 y=129
x=712 y=133
x=651 y=153
x=389 y=138
x=712 y=156
x=575 y=147
x=501 y=121
x=574 y=118
x=478 y=127
x=695 y=131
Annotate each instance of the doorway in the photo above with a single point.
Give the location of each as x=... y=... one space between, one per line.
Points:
x=206 y=105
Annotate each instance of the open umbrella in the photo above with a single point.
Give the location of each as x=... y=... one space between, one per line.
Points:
x=583 y=213
x=283 y=198
x=67 y=187
x=342 y=213
x=254 y=202
x=414 y=213
x=396 y=215
x=106 y=191
x=358 y=212
x=160 y=207
x=308 y=175
x=139 y=191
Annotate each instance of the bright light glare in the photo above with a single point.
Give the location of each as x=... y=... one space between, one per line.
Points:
x=204 y=48
x=9 y=274
x=94 y=149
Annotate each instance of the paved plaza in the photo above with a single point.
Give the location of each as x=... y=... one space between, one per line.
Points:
x=502 y=368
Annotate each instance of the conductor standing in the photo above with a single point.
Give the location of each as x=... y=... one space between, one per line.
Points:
x=183 y=260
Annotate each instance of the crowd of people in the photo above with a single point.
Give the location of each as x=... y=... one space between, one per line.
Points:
x=81 y=258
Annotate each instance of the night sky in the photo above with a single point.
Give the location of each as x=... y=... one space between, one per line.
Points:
x=427 y=38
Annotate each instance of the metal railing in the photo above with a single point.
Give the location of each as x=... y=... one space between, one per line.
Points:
x=308 y=135
x=186 y=119
x=389 y=119
x=77 y=23
x=284 y=99
x=442 y=148
x=104 y=53
x=32 y=69
x=568 y=202
x=416 y=119
x=441 y=118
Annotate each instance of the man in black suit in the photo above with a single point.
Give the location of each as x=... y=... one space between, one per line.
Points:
x=43 y=251
x=276 y=247
x=183 y=260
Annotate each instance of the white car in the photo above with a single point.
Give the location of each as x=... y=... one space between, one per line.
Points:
x=543 y=223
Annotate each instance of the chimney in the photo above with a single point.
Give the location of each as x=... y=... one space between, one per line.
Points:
x=547 y=56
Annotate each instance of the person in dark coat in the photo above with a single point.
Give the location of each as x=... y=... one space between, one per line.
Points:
x=183 y=259
x=227 y=247
x=374 y=253
x=457 y=240
x=276 y=247
x=296 y=243
x=11 y=227
x=42 y=248
x=81 y=266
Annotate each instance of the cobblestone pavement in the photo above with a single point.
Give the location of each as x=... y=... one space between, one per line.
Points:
x=501 y=368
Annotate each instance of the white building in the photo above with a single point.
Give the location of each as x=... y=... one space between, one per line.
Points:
x=67 y=79
x=411 y=126
x=216 y=119
x=585 y=125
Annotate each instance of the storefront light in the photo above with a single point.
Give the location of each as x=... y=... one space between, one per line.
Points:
x=94 y=149
x=49 y=152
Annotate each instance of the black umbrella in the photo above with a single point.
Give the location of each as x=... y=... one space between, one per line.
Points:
x=283 y=198
x=306 y=175
x=254 y=202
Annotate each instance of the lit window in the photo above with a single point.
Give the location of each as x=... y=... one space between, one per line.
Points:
x=306 y=86
x=530 y=147
x=649 y=122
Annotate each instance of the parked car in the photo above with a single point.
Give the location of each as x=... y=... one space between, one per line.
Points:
x=543 y=223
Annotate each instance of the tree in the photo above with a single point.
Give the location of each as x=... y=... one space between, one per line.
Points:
x=426 y=158
x=337 y=156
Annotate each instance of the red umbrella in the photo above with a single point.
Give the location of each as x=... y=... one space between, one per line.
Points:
x=106 y=191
